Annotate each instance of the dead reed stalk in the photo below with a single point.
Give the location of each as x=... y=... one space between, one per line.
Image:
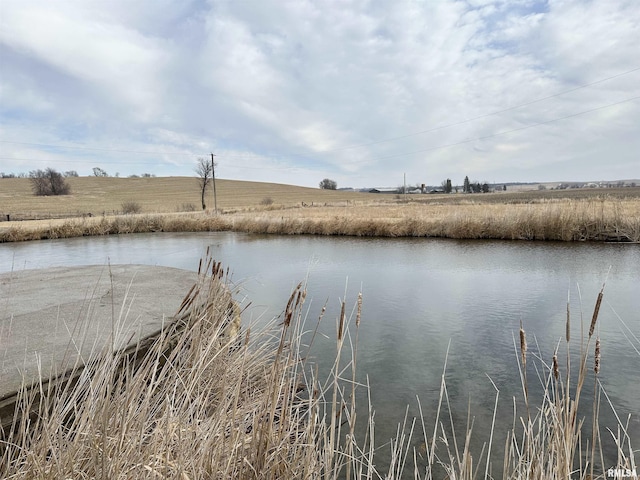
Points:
x=207 y=401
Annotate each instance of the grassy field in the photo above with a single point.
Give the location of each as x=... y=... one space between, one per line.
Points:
x=100 y=195
x=173 y=204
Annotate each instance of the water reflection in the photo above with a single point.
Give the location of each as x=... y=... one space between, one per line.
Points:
x=419 y=295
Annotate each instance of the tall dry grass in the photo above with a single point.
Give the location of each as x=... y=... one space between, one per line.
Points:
x=202 y=403
x=557 y=438
x=208 y=401
x=581 y=220
x=591 y=219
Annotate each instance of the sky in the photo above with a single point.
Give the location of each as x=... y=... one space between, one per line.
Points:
x=366 y=93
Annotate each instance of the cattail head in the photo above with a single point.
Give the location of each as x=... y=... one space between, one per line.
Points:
x=523 y=345
x=358 y=314
x=598 y=355
x=568 y=324
x=556 y=369
x=341 y=322
x=594 y=319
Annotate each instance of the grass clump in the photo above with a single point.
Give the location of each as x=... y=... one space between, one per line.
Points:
x=186 y=207
x=130 y=206
x=206 y=401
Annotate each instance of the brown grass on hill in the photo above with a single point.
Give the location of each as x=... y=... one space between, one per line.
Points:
x=567 y=215
x=105 y=196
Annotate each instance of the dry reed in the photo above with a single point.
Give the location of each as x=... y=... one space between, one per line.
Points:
x=207 y=402
x=586 y=219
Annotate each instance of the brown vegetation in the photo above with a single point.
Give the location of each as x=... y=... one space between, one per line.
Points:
x=206 y=404
x=105 y=195
x=566 y=215
x=600 y=219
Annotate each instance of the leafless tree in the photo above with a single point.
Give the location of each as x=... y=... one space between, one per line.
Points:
x=204 y=170
x=48 y=182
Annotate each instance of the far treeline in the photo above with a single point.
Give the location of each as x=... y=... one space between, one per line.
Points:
x=468 y=187
x=51 y=182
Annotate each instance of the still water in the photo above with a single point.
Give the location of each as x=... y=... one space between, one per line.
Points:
x=420 y=297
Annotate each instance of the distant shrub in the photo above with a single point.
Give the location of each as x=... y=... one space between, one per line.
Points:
x=48 y=182
x=131 y=207
x=328 y=184
x=266 y=201
x=186 y=207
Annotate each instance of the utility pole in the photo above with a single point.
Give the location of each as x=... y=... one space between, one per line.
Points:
x=404 y=187
x=213 y=175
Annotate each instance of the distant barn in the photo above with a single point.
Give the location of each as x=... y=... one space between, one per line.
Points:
x=383 y=190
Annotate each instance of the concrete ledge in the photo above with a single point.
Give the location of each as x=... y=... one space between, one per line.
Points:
x=51 y=318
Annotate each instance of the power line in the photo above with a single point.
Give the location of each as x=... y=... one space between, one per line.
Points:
x=72 y=147
x=497 y=112
x=462 y=142
x=149 y=163
x=507 y=131
x=441 y=127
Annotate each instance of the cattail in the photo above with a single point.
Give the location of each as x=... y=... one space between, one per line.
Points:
x=568 y=324
x=556 y=369
x=322 y=312
x=359 y=309
x=523 y=345
x=596 y=363
x=341 y=322
x=288 y=313
x=594 y=319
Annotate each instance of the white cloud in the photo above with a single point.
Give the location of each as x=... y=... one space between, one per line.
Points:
x=120 y=63
x=291 y=84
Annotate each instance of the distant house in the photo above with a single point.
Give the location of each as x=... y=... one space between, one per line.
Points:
x=383 y=190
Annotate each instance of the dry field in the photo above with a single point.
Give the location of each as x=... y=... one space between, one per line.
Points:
x=100 y=195
x=563 y=215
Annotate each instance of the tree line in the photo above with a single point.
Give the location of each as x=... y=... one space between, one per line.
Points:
x=467 y=186
x=51 y=182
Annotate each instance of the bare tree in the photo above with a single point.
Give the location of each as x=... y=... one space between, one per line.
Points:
x=204 y=170
x=48 y=182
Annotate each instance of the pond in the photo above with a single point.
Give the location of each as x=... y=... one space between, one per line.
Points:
x=421 y=297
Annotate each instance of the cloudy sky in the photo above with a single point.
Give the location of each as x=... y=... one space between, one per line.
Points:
x=358 y=91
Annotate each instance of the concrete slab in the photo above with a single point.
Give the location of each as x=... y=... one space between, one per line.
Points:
x=50 y=318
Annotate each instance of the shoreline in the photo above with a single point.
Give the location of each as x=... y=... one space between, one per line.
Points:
x=591 y=220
